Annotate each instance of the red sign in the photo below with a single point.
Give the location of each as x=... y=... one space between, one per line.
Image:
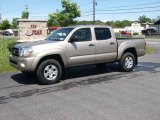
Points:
x=34 y=31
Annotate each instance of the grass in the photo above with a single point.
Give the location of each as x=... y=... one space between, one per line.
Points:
x=155 y=37
x=5 y=46
x=149 y=50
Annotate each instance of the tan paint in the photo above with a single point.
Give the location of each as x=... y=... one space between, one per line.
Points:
x=79 y=53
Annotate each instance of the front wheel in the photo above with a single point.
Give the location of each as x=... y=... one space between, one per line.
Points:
x=49 y=72
x=127 y=62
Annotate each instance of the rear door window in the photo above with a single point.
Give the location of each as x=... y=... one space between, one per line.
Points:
x=102 y=33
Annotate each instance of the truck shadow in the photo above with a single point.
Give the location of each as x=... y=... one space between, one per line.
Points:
x=23 y=79
x=90 y=70
x=76 y=72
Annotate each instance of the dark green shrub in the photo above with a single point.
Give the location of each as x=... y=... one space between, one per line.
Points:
x=11 y=44
x=6 y=45
x=135 y=33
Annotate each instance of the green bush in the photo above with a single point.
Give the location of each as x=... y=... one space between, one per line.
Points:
x=11 y=44
x=135 y=33
x=6 y=44
x=5 y=50
x=149 y=50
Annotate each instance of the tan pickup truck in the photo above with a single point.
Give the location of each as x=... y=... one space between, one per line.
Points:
x=75 y=46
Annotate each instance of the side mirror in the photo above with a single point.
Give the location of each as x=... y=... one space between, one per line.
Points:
x=73 y=39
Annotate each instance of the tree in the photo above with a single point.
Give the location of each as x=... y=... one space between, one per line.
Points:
x=25 y=14
x=15 y=23
x=0 y=26
x=115 y=24
x=5 y=25
x=156 y=19
x=66 y=16
x=144 y=19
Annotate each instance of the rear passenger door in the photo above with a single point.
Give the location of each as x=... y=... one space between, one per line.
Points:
x=106 y=45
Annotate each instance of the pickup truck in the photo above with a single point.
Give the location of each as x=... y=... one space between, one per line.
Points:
x=150 y=31
x=75 y=46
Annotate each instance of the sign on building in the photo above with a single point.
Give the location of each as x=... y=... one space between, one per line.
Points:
x=32 y=30
x=135 y=28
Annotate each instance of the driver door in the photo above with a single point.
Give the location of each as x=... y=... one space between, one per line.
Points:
x=81 y=50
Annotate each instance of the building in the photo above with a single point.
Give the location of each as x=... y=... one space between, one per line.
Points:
x=134 y=28
x=147 y=25
x=50 y=29
x=157 y=26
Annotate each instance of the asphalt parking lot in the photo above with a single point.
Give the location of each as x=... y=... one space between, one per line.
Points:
x=87 y=93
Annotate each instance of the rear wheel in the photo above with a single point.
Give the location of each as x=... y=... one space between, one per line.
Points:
x=49 y=72
x=127 y=62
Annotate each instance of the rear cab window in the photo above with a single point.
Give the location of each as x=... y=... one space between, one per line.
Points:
x=102 y=33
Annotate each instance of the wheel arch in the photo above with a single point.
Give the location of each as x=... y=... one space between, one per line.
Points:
x=56 y=57
x=130 y=50
x=133 y=51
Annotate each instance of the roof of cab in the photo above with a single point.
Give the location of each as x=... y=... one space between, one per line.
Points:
x=87 y=26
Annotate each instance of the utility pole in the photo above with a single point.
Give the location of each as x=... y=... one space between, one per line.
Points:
x=26 y=8
x=94 y=9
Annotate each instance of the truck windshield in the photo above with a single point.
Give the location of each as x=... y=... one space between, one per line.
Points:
x=59 y=35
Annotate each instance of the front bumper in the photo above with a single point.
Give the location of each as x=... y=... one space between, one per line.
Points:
x=22 y=64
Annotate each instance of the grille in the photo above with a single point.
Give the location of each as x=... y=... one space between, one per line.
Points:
x=14 y=62
x=15 y=52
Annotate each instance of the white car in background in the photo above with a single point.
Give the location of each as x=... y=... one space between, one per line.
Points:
x=10 y=31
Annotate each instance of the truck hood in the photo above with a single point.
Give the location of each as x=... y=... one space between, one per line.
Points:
x=36 y=43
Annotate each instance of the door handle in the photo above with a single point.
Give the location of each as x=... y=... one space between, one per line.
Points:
x=112 y=43
x=91 y=45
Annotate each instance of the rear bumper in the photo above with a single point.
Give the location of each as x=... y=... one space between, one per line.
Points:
x=22 y=64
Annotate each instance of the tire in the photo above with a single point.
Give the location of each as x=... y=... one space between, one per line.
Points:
x=127 y=62
x=49 y=72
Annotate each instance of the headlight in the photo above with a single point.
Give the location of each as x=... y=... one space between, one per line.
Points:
x=26 y=52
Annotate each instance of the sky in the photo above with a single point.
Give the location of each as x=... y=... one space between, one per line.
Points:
x=106 y=10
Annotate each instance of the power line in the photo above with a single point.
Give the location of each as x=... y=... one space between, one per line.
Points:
x=124 y=6
x=123 y=12
x=131 y=12
x=131 y=8
x=135 y=5
x=125 y=9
